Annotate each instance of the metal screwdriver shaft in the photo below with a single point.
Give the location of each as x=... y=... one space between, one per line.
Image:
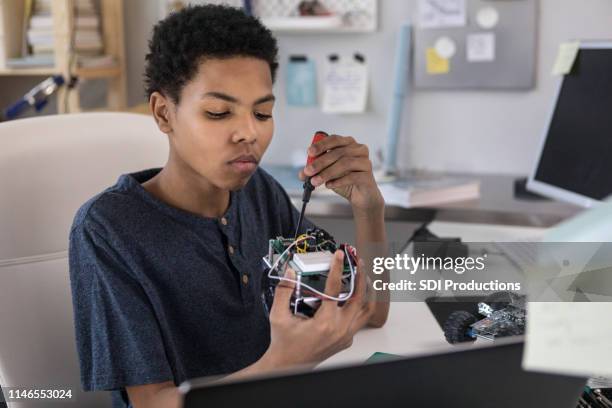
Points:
x=308 y=187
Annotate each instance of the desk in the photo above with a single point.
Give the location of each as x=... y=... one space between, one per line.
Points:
x=496 y=204
x=411 y=328
x=495 y=216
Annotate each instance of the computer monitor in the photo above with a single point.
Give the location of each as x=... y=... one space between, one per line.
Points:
x=468 y=376
x=575 y=161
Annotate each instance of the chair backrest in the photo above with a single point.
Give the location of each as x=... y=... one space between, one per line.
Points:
x=49 y=166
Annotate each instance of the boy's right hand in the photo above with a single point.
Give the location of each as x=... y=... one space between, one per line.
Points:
x=299 y=341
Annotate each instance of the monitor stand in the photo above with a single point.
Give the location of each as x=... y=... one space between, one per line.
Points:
x=521 y=192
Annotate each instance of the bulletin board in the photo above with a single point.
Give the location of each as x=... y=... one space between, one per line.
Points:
x=490 y=44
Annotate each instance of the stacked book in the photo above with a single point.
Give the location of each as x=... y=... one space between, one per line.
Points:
x=416 y=188
x=86 y=41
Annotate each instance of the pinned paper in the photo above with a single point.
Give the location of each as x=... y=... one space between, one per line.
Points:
x=436 y=64
x=445 y=47
x=487 y=17
x=566 y=58
x=441 y=13
x=345 y=88
x=480 y=47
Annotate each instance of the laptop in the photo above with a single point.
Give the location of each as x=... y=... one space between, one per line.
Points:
x=489 y=376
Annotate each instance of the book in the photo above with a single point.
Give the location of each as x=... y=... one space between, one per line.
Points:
x=79 y=47
x=46 y=22
x=42 y=48
x=87 y=37
x=421 y=190
x=96 y=61
x=379 y=357
x=39 y=36
x=31 y=61
x=414 y=190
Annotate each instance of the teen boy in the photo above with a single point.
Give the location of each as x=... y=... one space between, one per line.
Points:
x=165 y=265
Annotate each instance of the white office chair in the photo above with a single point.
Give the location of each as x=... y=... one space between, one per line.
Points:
x=49 y=166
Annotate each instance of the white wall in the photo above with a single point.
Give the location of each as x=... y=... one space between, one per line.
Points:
x=495 y=131
x=443 y=130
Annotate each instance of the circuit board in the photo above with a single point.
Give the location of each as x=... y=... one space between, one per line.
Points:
x=309 y=256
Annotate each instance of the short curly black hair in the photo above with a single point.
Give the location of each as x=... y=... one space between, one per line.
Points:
x=184 y=39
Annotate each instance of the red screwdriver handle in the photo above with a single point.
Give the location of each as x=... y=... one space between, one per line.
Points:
x=318 y=136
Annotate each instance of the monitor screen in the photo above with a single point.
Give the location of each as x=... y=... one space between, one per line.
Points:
x=577 y=151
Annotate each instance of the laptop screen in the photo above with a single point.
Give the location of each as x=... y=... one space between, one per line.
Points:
x=577 y=152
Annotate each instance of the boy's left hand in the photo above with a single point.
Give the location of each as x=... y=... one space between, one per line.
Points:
x=344 y=166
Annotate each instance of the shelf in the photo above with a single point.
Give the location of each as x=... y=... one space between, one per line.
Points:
x=35 y=71
x=82 y=73
x=346 y=16
x=112 y=31
x=97 y=72
x=304 y=24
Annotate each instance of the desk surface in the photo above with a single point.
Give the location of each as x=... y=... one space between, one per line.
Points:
x=411 y=328
x=496 y=205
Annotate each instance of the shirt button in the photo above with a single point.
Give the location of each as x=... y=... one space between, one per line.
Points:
x=245 y=279
x=224 y=221
x=230 y=249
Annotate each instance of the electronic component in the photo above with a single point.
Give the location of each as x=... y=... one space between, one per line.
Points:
x=310 y=256
x=505 y=315
x=313 y=262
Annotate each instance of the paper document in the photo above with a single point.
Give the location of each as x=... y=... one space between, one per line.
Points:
x=481 y=47
x=569 y=338
x=566 y=57
x=435 y=63
x=345 y=88
x=394 y=195
x=441 y=13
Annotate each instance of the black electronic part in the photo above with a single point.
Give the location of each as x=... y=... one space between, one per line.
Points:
x=457 y=327
x=604 y=395
x=591 y=399
x=430 y=245
x=503 y=315
x=522 y=193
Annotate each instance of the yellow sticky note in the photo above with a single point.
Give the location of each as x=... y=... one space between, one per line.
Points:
x=566 y=57
x=436 y=64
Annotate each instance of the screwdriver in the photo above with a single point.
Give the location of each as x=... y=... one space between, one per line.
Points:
x=308 y=187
